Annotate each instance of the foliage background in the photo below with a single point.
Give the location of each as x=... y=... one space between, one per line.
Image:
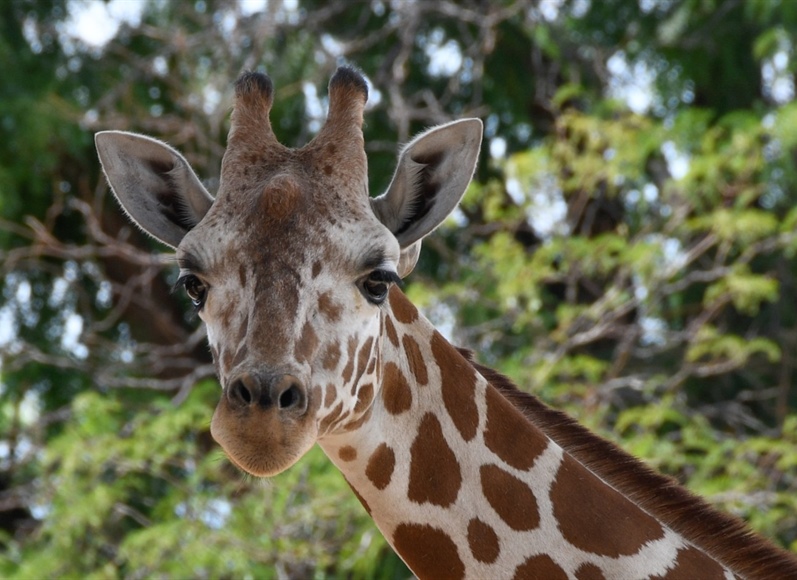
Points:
x=626 y=252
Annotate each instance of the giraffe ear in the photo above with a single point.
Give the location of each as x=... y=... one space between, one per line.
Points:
x=433 y=171
x=154 y=184
x=408 y=258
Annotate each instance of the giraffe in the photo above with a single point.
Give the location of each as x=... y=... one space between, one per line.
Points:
x=294 y=271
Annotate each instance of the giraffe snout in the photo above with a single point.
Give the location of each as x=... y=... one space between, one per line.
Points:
x=285 y=393
x=264 y=421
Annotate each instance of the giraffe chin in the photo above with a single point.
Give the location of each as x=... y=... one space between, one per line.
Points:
x=260 y=442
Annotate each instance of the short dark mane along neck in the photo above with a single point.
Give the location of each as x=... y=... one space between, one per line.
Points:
x=724 y=537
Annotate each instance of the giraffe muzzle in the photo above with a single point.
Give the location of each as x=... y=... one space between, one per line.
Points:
x=264 y=422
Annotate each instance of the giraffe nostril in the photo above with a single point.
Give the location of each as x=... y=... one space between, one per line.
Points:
x=241 y=394
x=290 y=395
x=281 y=392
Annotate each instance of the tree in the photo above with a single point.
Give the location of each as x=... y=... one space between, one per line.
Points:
x=634 y=266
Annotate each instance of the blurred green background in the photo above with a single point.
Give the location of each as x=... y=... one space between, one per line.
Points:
x=626 y=252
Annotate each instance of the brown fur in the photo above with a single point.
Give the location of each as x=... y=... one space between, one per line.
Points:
x=724 y=537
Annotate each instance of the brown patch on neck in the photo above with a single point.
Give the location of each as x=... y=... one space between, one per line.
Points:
x=435 y=476
x=583 y=522
x=380 y=466
x=458 y=386
x=723 y=537
x=429 y=552
x=542 y=567
x=347 y=453
x=504 y=423
x=483 y=541
x=415 y=359
x=590 y=572
x=402 y=308
x=692 y=563
x=510 y=497
x=396 y=393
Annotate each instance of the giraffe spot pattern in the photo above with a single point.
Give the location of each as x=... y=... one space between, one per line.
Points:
x=317 y=265
x=511 y=498
x=582 y=517
x=362 y=357
x=428 y=551
x=392 y=335
x=504 y=422
x=333 y=416
x=329 y=395
x=404 y=311
x=240 y=356
x=349 y=368
x=307 y=343
x=396 y=393
x=380 y=466
x=329 y=308
x=357 y=423
x=415 y=359
x=589 y=572
x=331 y=356
x=692 y=563
x=458 y=386
x=539 y=567
x=347 y=453
x=435 y=475
x=364 y=397
x=483 y=541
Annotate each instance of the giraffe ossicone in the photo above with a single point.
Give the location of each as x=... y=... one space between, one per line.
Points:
x=293 y=269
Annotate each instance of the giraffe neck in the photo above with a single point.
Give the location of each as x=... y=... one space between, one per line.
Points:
x=462 y=483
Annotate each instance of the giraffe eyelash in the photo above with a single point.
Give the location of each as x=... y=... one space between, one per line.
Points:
x=387 y=276
x=375 y=286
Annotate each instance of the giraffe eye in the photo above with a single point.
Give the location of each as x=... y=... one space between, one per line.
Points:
x=195 y=289
x=376 y=285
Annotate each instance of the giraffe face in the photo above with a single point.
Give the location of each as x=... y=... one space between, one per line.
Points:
x=292 y=304
x=289 y=266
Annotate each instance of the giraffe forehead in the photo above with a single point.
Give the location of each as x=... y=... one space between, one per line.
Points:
x=283 y=224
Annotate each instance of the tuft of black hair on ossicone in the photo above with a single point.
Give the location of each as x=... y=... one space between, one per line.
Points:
x=251 y=81
x=349 y=76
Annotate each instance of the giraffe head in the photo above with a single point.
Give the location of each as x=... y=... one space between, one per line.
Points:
x=290 y=265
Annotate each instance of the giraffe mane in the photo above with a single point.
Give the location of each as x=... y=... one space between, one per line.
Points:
x=720 y=535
